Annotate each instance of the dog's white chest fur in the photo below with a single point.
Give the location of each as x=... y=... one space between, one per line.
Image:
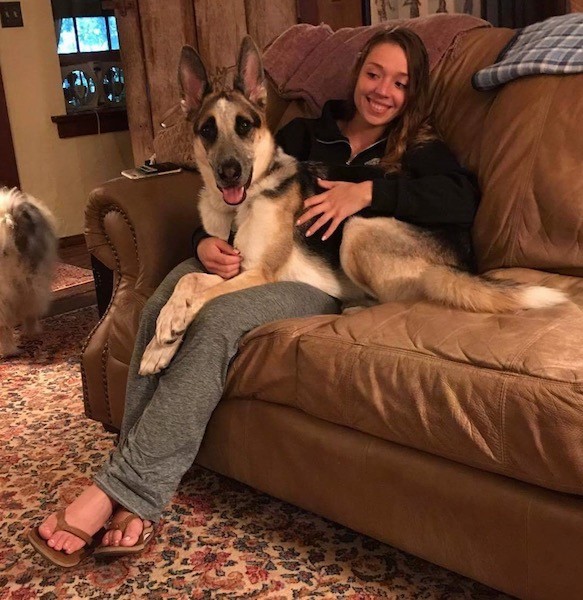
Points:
x=256 y=224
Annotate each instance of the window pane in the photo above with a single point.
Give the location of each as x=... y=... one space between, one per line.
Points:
x=113 y=33
x=92 y=34
x=67 y=41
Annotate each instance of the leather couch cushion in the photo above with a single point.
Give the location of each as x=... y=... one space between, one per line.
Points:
x=503 y=393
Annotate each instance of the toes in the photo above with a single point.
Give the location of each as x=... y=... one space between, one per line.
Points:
x=58 y=540
x=47 y=528
x=112 y=537
x=71 y=543
x=116 y=537
x=132 y=533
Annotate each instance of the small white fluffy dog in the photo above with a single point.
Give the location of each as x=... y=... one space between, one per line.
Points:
x=28 y=252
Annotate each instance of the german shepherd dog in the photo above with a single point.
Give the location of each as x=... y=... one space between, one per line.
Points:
x=254 y=188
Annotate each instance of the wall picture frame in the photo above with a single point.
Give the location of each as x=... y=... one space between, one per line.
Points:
x=385 y=10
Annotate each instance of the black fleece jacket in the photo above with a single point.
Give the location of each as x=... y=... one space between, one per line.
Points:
x=433 y=189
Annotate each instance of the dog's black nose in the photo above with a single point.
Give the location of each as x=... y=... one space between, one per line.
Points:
x=230 y=171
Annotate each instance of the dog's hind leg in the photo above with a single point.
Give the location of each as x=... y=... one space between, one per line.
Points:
x=372 y=255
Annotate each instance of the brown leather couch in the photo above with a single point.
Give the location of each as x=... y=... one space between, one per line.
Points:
x=457 y=437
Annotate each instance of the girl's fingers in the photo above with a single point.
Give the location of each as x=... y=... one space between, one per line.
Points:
x=317 y=199
x=326 y=184
x=333 y=227
x=228 y=259
x=225 y=247
x=318 y=224
x=229 y=273
x=310 y=214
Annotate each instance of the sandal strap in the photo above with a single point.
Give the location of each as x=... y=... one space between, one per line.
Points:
x=62 y=525
x=122 y=524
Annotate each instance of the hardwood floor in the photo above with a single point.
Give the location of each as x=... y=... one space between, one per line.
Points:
x=73 y=251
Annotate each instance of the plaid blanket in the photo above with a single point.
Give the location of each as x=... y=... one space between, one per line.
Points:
x=551 y=47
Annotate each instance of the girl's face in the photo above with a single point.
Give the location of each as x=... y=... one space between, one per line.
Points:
x=381 y=87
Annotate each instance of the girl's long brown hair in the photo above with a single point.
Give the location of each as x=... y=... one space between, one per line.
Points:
x=413 y=125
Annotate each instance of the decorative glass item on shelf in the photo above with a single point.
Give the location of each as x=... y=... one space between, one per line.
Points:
x=93 y=84
x=80 y=87
x=113 y=84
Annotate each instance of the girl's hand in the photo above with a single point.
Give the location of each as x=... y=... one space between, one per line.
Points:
x=219 y=257
x=341 y=200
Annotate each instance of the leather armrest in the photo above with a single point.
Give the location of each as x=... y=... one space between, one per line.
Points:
x=142 y=228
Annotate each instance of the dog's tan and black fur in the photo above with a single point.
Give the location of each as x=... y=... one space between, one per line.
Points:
x=252 y=187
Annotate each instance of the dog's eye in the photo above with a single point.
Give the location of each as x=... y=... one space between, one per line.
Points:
x=208 y=130
x=243 y=126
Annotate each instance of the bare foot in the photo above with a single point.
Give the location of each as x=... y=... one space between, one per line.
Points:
x=129 y=537
x=88 y=512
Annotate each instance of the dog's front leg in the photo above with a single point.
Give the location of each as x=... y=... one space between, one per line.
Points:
x=243 y=281
x=168 y=338
x=173 y=320
x=176 y=315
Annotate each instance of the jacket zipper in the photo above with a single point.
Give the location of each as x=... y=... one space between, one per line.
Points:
x=351 y=160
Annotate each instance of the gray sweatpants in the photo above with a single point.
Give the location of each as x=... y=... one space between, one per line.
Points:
x=166 y=414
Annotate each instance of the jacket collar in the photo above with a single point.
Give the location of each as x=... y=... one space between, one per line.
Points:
x=327 y=129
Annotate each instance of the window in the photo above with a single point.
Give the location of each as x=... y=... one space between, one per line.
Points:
x=92 y=75
x=87 y=34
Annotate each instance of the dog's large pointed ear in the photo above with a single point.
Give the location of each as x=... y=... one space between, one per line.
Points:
x=250 y=75
x=192 y=79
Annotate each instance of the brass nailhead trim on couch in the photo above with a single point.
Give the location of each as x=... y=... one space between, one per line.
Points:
x=102 y=214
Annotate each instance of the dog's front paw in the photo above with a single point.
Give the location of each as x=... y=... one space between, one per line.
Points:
x=157 y=356
x=173 y=320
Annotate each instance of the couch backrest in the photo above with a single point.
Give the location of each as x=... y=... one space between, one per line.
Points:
x=525 y=143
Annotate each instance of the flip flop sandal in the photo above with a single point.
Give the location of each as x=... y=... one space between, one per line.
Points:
x=145 y=537
x=58 y=557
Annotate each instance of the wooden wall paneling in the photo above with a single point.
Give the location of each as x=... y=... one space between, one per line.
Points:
x=220 y=27
x=266 y=19
x=137 y=97
x=166 y=27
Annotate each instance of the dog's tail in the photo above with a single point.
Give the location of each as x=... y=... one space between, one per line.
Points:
x=485 y=294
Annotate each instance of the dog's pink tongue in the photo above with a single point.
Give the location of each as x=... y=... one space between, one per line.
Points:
x=233 y=195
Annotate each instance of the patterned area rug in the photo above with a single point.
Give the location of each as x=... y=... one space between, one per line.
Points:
x=69 y=280
x=218 y=539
